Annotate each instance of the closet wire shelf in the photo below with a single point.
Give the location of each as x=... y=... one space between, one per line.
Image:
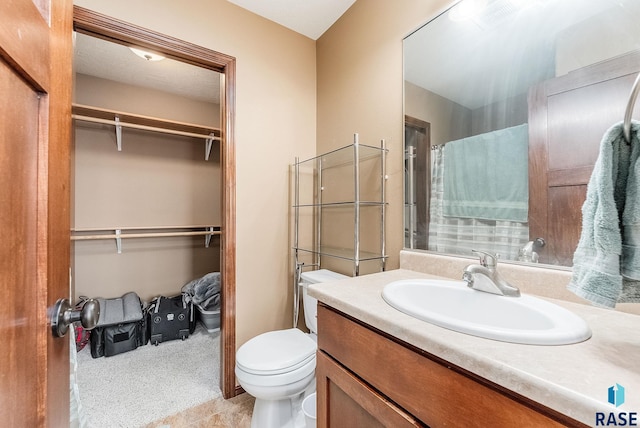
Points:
x=146 y=123
x=120 y=233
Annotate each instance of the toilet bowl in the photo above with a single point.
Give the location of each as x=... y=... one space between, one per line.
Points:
x=278 y=367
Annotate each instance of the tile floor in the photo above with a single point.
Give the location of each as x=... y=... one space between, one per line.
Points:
x=218 y=413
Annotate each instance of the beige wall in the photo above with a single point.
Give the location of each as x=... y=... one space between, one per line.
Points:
x=499 y=115
x=360 y=87
x=449 y=121
x=275 y=121
x=108 y=94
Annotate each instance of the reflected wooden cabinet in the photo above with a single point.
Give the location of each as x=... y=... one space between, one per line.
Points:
x=366 y=378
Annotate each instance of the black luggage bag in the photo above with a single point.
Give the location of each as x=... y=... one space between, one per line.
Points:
x=121 y=327
x=169 y=318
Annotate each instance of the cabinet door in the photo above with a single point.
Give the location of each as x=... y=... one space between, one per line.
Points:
x=346 y=401
x=436 y=392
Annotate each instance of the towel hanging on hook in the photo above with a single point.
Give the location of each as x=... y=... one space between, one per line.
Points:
x=626 y=129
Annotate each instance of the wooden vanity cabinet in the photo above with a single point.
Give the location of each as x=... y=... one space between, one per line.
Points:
x=366 y=378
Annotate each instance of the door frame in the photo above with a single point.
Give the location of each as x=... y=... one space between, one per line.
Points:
x=108 y=28
x=423 y=178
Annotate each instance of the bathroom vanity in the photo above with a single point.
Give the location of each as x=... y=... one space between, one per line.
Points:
x=379 y=367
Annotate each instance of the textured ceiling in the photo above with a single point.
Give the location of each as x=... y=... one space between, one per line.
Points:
x=97 y=57
x=309 y=17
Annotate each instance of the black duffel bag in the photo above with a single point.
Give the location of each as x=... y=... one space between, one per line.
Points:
x=121 y=327
x=170 y=318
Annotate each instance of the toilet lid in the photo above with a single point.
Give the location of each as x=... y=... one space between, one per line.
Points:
x=276 y=352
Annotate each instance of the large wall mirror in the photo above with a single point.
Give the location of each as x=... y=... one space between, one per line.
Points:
x=506 y=102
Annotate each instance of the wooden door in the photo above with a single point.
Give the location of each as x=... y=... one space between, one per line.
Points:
x=568 y=117
x=35 y=81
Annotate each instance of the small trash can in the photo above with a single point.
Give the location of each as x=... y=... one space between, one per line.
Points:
x=309 y=410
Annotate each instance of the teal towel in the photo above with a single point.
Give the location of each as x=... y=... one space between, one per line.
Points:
x=487 y=176
x=606 y=264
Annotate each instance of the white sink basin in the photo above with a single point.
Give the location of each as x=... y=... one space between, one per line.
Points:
x=453 y=305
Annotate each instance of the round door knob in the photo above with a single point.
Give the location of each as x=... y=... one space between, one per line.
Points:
x=64 y=315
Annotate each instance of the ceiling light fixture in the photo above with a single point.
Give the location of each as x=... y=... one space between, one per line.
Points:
x=147 y=55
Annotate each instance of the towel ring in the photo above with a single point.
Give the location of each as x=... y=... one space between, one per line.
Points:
x=626 y=129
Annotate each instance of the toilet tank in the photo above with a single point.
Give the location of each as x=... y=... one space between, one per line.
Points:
x=310 y=303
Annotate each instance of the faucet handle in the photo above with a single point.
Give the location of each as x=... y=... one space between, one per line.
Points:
x=488 y=260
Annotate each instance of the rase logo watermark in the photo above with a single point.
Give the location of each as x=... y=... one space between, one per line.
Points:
x=615 y=396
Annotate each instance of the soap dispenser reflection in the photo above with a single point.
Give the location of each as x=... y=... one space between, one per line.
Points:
x=528 y=252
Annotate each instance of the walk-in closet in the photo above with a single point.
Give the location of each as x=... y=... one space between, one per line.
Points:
x=146 y=218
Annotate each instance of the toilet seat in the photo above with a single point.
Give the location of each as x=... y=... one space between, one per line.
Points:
x=246 y=379
x=276 y=352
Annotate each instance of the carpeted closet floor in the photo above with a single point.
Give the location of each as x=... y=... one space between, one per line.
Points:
x=176 y=382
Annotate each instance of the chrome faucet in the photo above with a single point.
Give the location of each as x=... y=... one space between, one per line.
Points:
x=485 y=277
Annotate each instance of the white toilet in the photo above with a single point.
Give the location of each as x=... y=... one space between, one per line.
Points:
x=278 y=367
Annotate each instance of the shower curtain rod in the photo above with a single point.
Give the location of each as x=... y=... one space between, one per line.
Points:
x=626 y=129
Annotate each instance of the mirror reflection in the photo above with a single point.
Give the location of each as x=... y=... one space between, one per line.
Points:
x=506 y=102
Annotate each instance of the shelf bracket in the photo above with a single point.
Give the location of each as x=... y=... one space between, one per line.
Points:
x=208 y=146
x=118 y=133
x=119 y=241
x=207 y=238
